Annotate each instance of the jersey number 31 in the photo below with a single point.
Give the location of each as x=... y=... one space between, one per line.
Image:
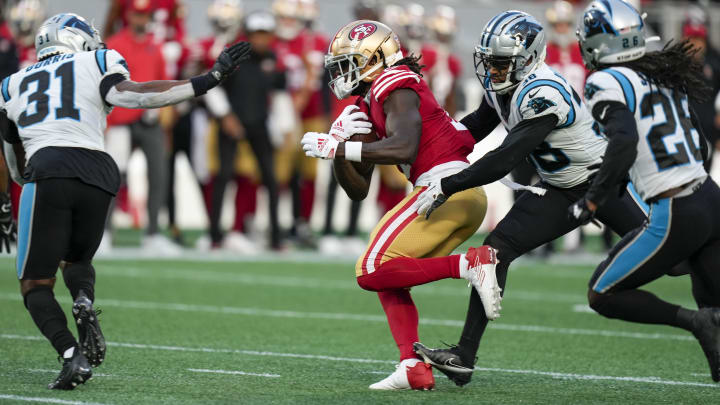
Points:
x=66 y=74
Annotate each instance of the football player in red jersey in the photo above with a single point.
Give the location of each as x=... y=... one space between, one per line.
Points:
x=405 y=250
x=443 y=66
x=300 y=51
x=563 y=54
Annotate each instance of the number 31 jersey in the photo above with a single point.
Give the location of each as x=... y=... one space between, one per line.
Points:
x=562 y=159
x=668 y=154
x=58 y=102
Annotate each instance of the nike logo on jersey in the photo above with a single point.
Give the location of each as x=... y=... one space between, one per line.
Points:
x=602 y=113
x=534 y=94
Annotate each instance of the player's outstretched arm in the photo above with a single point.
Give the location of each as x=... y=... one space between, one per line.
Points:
x=496 y=164
x=403 y=127
x=120 y=92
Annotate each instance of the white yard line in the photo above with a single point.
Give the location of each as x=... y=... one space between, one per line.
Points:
x=231 y=372
x=339 y=316
x=650 y=380
x=45 y=400
x=583 y=309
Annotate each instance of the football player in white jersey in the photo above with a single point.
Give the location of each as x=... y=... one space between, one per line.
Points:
x=548 y=124
x=641 y=100
x=53 y=120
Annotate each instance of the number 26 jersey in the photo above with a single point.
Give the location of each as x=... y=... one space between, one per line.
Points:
x=58 y=101
x=668 y=152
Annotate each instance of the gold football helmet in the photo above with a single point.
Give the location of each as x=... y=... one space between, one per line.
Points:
x=360 y=52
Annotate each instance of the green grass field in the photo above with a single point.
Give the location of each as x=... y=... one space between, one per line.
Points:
x=295 y=331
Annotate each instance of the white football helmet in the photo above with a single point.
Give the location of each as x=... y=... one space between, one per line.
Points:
x=66 y=33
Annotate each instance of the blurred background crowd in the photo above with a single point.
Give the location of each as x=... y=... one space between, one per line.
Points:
x=229 y=163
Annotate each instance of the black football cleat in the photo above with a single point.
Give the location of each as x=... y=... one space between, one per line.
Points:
x=75 y=371
x=706 y=328
x=448 y=361
x=90 y=337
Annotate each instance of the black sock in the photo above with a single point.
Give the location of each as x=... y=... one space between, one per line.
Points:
x=642 y=307
x=49 y=318
x=476 y=321
x=80 y=276
x=684 y=318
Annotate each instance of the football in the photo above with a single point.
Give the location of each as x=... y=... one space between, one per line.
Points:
x=362 y=167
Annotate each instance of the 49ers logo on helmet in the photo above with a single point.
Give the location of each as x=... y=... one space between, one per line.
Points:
x=362 y=31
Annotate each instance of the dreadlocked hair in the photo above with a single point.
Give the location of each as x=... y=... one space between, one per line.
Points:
x=411 y=62
x=675 y=68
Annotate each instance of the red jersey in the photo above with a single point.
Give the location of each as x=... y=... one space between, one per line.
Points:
x=145 y=62
x=296 y=55
x=168 y=17
x=569 y=63
x=443 y=139
x=26 y=55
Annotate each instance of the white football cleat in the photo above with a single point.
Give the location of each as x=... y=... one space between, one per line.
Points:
x=410 y=374
x=239 y=243
x=158 y=245
x=481 y=274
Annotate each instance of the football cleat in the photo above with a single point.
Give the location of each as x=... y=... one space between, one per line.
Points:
x=448 y=361
x=706 y=328
x=90 y=337
x=75 y=371
x=482 y=261
x=409 y=374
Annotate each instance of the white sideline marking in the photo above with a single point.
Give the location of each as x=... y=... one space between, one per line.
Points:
x=653 y=380
x=573 y=376
x=339 y=316
x=203 y=370
x=45 y=400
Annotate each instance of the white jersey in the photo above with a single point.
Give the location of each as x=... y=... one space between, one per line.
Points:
x=562 y=159
x=57 y=102
x=668 y=154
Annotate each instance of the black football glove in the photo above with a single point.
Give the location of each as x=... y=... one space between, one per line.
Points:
x=229 y=60
x=8 y=229
x=581 y=212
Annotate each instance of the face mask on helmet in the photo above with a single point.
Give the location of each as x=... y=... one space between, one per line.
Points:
x=345 y=73
x=498 y=73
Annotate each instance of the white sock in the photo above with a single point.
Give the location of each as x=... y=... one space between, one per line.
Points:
x=69 y=353
x=464 y=264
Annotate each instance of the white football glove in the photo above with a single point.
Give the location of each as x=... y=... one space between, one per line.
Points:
x=430 y=199
x=350 y=123
x=319 y=145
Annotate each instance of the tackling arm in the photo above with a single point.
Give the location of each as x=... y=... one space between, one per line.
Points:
x=518 y=144
x=403 y=126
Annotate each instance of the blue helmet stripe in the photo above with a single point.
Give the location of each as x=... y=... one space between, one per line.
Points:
x=607 y=5
x=487 y=31
x=497 y=22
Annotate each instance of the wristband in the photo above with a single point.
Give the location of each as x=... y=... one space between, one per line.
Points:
x=201 y=84
x=353 y=151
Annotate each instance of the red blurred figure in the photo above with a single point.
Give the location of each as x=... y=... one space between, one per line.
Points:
x=24 y=18
x=168 y=18
x=563 y=53
x=442 y=65
x=301 y=51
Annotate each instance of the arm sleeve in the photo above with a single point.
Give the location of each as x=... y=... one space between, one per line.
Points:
x=482 y=121
x=519 y=143
x=11 y=162
x=135 y=99
x=8 y=129
x=621 y=130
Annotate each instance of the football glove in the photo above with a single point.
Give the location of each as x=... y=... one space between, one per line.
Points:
x=319 y=145
x=8 y=229
x=229 y=60
x=581 y=212
x=431 y=198
x=349 y=123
